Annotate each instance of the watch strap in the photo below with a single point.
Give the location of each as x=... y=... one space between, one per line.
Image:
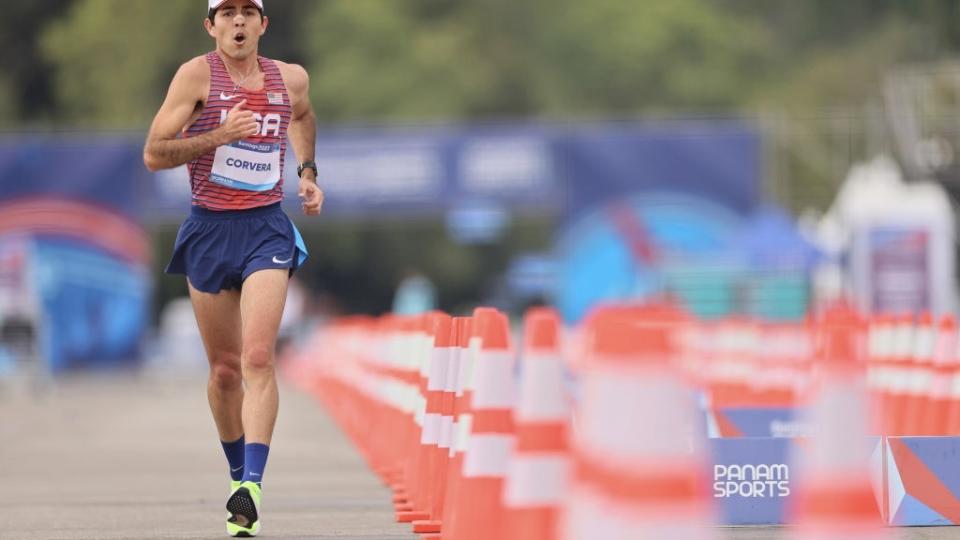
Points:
x=309 y=164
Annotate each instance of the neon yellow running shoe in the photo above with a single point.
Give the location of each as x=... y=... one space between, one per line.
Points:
x=232 y=529
x=244 y=508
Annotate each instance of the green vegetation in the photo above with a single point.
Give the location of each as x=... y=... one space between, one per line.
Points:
x=106 y=63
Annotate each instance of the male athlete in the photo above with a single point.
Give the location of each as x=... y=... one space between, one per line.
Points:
x=227 y=116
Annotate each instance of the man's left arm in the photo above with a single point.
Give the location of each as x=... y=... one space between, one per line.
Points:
x=303 y=134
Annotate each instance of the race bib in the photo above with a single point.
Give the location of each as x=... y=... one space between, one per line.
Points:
x=246 y=165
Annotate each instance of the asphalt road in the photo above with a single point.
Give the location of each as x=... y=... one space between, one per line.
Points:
x=137 y=457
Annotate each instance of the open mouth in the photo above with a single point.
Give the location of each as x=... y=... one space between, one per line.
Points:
x=239 y=38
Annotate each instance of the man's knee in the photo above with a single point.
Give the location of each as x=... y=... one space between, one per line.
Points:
x=257 y=359
x=225 y=373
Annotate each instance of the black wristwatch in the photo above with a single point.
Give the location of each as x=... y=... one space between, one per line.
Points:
x=309 y=164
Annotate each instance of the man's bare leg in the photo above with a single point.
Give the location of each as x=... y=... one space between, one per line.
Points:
x=261 y=307
x=218 y=316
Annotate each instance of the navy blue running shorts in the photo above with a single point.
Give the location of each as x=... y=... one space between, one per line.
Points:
x=218 y=250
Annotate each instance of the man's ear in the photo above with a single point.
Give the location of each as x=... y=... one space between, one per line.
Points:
x=209 y=26
x=263 y=27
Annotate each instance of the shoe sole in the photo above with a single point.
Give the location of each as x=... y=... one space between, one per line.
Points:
x=241 y=504
x=237 y=531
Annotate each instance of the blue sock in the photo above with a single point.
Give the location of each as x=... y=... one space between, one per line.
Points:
x=234 y=452
x=255 y=456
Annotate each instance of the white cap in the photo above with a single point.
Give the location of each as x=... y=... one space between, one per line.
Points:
x=214 y=4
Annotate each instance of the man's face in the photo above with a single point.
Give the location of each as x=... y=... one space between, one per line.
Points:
x=237 y=27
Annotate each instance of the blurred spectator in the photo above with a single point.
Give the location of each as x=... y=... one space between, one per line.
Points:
x=292 y=324
x=415 y=294
x=178 y=345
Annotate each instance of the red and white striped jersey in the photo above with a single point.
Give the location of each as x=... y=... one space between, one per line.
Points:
x=248 y=173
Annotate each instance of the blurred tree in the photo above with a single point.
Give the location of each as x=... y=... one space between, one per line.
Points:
x=387 y=60
x=416 y=60
x=423 y=59
x=825 y=85
x=825 y=24
x=282 y=40
x=26 y=86
x=621 y=56
x=829 y=54
x=115 y=58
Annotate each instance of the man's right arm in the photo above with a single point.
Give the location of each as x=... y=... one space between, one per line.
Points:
x=163 y=149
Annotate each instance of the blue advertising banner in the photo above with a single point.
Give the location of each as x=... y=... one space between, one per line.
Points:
x=414 y=171
x=923 y=480
x=917 y=479
x=754 y=479
x=899 y=269
x=717 y=161
x=95 y=306
x=73 y=204
x=751 y=480
x=104 y=170
x=725 y=422
x=559 y=168
x=901 y=265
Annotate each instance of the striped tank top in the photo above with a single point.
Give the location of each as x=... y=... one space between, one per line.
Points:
x=248 y=173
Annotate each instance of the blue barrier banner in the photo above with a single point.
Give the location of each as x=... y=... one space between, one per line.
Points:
x=726 y=422
x=716 y=161
x=557 y=168
x=76 y=203
x=754 y=479
x=923 y=480
x=95 y=306
x=751 y=480
x=402 y=170
x=413 y=171
x=103 y=170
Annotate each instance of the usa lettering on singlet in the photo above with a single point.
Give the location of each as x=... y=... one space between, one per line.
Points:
x=247 y=173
